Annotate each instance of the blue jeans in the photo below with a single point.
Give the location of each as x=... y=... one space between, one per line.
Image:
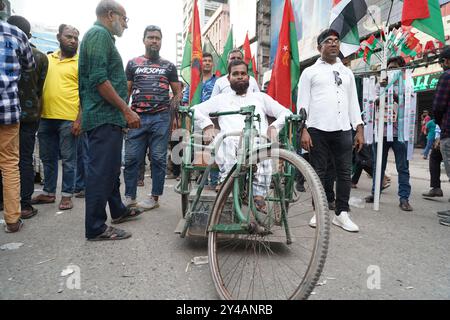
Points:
x=428 y=147
x=102 y=178
x=81 y=162
x=56 y=140
x=153 y=134
x=401 y=162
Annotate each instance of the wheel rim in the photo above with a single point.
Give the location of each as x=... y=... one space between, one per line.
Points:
x=266 y=267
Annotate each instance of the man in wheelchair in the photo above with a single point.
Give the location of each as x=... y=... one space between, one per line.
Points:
x=265 y=106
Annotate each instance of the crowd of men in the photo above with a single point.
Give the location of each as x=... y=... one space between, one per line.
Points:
x=83 y=104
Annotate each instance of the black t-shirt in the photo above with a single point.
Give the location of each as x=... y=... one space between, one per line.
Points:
x=151 y=82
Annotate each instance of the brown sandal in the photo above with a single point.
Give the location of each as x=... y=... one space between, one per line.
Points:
x=130 y=214
x=66 y=203
x=43 y=199
x=260 y=204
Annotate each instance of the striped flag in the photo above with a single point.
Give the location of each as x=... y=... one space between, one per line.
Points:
x=192 y=59
x=345 y=15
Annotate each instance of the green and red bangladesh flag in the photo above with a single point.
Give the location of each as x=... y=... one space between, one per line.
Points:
x=192 y=59
x=345 y=15
x=286 y=68
x=424 y=15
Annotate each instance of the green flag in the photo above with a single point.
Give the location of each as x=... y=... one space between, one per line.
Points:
x=223 y=67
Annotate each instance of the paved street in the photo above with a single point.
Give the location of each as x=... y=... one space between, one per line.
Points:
x=409 y=249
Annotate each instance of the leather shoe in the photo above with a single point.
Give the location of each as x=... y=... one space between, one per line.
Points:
x=405 y=206
x=434 y=192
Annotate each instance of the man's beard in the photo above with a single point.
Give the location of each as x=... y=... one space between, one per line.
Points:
x=240 y=87
x=152 y=53
x=68 y=51
x=117 y=28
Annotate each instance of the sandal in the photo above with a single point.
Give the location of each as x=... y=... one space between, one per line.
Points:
x=260 y=204
x=43 y=199
x=112 y=233
x=66 y=203
x=130 y=214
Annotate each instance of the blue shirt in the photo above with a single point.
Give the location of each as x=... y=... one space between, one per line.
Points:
x=15 y=56
x=207 y=88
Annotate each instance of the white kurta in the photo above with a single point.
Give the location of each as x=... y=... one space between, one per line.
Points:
x=226 y=156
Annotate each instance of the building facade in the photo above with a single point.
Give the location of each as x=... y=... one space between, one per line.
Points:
x=217 y=28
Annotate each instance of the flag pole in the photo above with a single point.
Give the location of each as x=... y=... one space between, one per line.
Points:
x=382 y=104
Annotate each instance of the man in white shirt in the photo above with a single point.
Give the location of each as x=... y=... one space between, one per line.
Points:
x=240 y=97
x=222 y=84
x=327 y=92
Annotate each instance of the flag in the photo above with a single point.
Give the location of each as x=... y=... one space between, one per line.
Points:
x=286 y=67
x=248 y=55
x=226 y=50
x=345 y=15
x=209 y=47
x=192 y=59
x=367 y=55
x=255 y=70
x=424 y=15
x=409 y=46
x=372 y=42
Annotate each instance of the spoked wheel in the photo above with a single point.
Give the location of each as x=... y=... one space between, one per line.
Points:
x=286 y=259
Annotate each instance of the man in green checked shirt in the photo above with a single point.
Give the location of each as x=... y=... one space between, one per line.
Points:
x=103 y=92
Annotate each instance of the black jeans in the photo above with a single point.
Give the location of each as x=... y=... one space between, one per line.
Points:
x=102 y=177
x=27 y=138
x=435 y=168
x=338 y=146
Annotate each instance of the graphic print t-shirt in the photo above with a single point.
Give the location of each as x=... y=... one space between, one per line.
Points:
x=151 y=82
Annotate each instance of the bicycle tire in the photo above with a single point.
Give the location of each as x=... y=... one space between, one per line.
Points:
x=224 y=249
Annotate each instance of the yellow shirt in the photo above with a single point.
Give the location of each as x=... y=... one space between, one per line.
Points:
x=60 y=99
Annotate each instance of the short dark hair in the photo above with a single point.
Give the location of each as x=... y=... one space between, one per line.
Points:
x=64 y=26
x=151 y=28
x=400 y=61
x=445 y=53
x=325 y=34
x=21 y=23
x=207 y=54
x=234 y=51
x=235 y=63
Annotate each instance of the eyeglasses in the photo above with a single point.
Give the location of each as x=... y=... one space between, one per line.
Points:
x=125 y=18
x=337 y=79
x=330 y=41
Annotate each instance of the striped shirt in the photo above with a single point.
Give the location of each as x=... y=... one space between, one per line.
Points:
x=15 y=56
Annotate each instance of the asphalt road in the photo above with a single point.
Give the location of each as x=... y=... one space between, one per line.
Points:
x=396 y=255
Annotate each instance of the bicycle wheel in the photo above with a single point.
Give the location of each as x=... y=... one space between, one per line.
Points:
x=286 y=260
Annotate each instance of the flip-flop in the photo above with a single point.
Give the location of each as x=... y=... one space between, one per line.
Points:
x=131 y=214
x=43 y=199
x=111 y=234
x=65 y=204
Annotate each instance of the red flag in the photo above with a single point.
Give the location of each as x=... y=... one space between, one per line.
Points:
x=255 y=71
x=414 y=9
x=247 y=50
x=286 y=68
x=196 y=58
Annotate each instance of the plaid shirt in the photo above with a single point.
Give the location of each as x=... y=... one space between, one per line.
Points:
x=441 y=104
x=15 y=56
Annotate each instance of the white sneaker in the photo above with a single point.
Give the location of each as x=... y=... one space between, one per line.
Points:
x=343 y=221
x=129 y=202
x=312 y=222
x=148 y=204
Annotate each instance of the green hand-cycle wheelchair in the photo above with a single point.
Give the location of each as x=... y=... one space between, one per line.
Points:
x=255 y=253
